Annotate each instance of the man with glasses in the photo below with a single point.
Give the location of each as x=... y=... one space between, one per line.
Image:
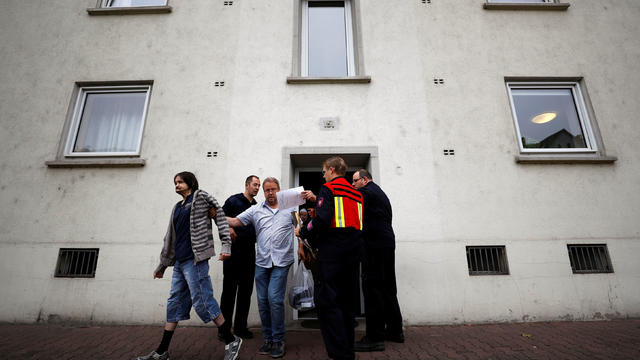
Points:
x=382 y=311
x=274 y=256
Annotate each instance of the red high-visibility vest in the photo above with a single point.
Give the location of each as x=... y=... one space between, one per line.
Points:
x=347 y=203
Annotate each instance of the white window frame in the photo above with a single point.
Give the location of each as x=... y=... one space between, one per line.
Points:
x=348 y=23
x=107 y=4
x=583 y=116
x=79 y=109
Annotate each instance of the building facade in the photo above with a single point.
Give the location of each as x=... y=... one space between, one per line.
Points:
x=504 y=135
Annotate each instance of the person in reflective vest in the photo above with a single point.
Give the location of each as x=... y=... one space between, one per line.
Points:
x=338 y=226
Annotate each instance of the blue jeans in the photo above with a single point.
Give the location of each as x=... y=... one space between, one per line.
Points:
x=271 y=284
x=191 y=285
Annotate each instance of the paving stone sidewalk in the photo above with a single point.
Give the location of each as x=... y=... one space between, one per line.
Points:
x=619 y=339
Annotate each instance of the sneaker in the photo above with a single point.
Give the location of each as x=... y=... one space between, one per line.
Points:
x=232 y=349
x=277 y=350
x=154 y=356
x=245 y=334
x=265 y=349
x=398 y=338
x=366 y=345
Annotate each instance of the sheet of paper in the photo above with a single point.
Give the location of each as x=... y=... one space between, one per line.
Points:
x=290 y=198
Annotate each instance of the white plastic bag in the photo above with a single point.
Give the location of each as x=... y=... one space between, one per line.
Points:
x=301 y=291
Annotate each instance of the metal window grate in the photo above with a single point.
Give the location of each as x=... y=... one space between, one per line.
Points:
x=589 y=259
x=487 y=260
x=77 y=263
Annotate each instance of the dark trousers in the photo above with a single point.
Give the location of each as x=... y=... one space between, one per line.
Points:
x=382 y=311
x=237 y=287
x=334 y=297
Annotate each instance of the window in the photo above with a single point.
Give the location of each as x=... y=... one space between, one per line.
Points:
x=327 y=39
x=521 y=1
x=553 y=121
x=587 y=259
x=108 y=121
x=133 y=3
x=525 y=5
x=487 y=260
x=77 y=263
x=129 y=7
x=551 y=117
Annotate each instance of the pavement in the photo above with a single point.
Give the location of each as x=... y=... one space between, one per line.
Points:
x=616 y=339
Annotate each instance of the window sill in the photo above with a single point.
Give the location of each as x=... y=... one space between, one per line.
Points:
x=130 y=10
x=521 y=6
x=329 y=80
x=565 y=159
x=96 y=163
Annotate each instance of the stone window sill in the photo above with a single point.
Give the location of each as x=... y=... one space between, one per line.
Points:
x=130 y=10
x=522 y=6
x=95 y=162
x=329 y=80
x=565 y=159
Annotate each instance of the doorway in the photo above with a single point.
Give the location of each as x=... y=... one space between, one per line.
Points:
x=303 y=167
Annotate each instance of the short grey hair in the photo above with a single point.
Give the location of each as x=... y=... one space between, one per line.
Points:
x=271 y=180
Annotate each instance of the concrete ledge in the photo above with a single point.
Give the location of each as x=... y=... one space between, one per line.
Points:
x=565 y=159
x=329 y=80
x=130 y=10
x=96 y=162
x=523 y=6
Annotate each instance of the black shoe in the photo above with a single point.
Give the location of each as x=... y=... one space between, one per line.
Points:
x=245 y=334
x=277 y=350
x=398 y=338
x=265 y=349
x=366 y=345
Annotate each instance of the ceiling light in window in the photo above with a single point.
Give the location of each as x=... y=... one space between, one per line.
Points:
x=544 y=118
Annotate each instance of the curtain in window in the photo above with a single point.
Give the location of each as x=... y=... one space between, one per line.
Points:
x=111 y=122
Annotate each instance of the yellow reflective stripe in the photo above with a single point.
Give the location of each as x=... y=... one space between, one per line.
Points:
x=342 y=219
x=360 y=214
x=336 y=210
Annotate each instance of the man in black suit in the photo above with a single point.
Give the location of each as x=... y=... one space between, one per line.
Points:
x=382 y=312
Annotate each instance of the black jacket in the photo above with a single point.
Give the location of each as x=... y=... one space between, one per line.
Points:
x=376 y=217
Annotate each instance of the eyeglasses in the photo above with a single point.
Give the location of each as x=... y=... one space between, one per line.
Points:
x=356 y=180
x=323 y=172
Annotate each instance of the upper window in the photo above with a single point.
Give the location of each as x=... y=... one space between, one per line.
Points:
x=133 y=3
x=327 y=39
x=551 y=117
x=521 y=1
x=108 y=121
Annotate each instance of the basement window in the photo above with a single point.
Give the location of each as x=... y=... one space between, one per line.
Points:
x=589 y=259
x=487 y=260
x=77 y=263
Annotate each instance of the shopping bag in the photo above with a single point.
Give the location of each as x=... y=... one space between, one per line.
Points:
x=301 y=291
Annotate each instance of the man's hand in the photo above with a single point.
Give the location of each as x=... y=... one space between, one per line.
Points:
x=158 y=274
x=224 y=256
x=212 y=213
x=298 y=231
x=233 y=234
x=308 y=195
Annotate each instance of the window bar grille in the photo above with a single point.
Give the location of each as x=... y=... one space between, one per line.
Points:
x=589 y=259
x=487 y=260
x=76 y=263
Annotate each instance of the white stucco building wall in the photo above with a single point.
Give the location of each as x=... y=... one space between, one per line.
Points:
x=479 y=196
